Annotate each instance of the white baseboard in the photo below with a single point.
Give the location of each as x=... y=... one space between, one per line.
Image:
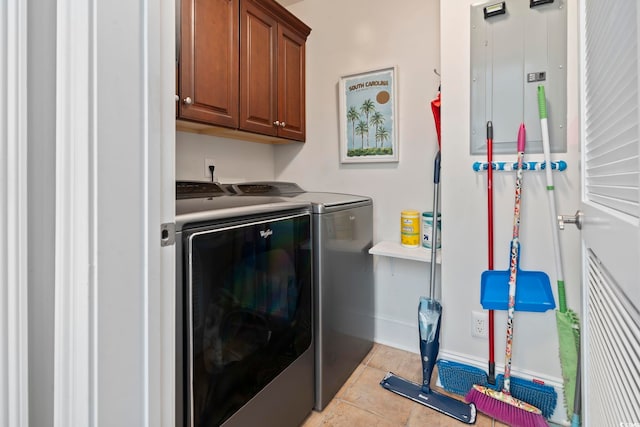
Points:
x=397 y=334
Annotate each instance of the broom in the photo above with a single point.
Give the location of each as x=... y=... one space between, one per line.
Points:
x=500 y=404
x=459 y=378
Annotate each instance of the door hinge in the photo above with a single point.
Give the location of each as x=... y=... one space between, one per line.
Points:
x=167 y=234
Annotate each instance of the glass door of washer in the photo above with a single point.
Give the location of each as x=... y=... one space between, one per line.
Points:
x=248 y=310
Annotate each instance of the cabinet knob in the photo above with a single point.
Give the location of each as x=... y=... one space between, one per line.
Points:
x=188 y=100
x=276 y=123
x=177 y=98
x=282 y=124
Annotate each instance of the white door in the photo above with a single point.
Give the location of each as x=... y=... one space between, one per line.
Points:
x=610 y=119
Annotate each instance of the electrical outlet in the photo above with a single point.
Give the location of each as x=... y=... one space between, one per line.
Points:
x=479 y=324
x=207 y=171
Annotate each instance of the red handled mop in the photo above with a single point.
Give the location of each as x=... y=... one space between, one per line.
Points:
x=500 y=404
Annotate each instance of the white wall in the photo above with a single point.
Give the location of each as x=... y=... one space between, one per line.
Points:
x=355 y=36
x=234 y=160
x=411 y=35
x=464 y=212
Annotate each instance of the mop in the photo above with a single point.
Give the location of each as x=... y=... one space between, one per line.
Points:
x=567 y=320
x=429 y=314
x=501 y=405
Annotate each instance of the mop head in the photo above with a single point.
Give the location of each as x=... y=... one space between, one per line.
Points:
x=505 y=408
x=569 y=340
x=459 y=378
x=457 y=409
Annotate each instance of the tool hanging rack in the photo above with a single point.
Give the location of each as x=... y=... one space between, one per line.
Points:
x=559 y=166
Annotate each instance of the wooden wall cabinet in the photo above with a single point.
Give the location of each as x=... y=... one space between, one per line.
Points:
x=208 y=61
x=241 y=66
x=272 y=70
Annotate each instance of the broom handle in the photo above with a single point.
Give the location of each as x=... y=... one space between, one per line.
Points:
x=434 y=225
x=490 y=196
x=513 y=270
x=492 y=362
x=542 y=108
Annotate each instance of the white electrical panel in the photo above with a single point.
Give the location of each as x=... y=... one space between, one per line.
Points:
x=516 y=46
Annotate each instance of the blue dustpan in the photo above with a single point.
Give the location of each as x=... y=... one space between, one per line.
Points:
x=533 y=290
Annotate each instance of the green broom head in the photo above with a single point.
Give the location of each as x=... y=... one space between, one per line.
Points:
x=505 y=408
x=569 y=341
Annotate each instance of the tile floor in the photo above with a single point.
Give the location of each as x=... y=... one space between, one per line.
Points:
x=362 y=402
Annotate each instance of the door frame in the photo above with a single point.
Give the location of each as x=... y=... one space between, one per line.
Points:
x=114 y=330
x=14 y=355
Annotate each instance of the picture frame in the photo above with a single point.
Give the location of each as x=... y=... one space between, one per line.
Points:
x=369 y=116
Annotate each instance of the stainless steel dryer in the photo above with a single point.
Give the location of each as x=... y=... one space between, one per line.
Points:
x=244 y=312
x=343 y=280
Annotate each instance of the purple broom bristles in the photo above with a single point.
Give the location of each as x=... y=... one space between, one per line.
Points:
x=505 y=408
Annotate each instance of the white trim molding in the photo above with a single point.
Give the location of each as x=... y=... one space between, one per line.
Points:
x=14 y=395
x=160 y=172
x=114 y=284
x=75 y=372
x=159 y=149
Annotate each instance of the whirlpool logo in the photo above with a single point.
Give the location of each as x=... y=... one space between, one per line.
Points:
x=266 y=233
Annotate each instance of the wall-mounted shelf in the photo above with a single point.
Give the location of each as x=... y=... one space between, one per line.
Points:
x=396 y=250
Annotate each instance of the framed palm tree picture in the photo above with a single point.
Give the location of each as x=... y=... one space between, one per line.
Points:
x=368 y=117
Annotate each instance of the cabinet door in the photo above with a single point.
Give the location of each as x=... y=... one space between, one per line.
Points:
x=258 y=99
x=209 y=61
x=291 y=84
